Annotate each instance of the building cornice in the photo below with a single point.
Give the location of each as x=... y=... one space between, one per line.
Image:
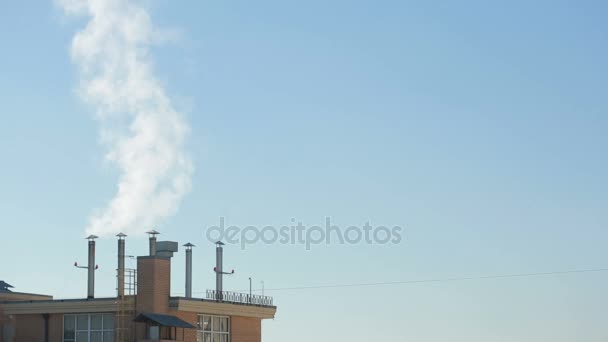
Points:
x=60 y=306
x=21 y=296
x=223 y=309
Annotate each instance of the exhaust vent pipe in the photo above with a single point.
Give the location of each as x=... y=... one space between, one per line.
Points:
x=121 y=265
x=219 y=256
x=152 y=234
x=219 y=271
x=189 y=269
x=91 y=267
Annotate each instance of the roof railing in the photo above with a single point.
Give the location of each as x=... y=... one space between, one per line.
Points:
x=239 y=298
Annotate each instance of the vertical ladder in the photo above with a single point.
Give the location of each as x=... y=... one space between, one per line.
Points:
x=126 y=308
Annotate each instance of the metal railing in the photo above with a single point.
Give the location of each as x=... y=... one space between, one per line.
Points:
x=241 y=298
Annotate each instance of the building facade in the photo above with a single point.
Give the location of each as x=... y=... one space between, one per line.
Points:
x=143 y=310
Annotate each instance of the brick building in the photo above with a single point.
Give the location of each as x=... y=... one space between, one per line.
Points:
x=143 y=309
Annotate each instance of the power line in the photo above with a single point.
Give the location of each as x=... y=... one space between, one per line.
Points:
x=438 y=280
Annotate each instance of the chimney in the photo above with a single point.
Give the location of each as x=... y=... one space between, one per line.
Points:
x=121 y=265
x=152 y=234
x=153 y=284
x=91 y=267
x=154 y=277
x=189 y=269
x=219 y=273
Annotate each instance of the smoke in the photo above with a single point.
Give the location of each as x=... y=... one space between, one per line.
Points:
x=143 y=133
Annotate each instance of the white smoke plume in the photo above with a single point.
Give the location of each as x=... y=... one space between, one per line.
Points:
x=142 y=131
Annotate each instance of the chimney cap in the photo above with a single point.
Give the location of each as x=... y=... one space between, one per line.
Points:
x=92 y=237
x=189 y=245
x=121 y=235
x=152 y=232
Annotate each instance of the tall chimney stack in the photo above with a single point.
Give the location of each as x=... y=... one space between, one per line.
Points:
x=91 y=267
x=189 y=269
x=121 y=265
x=152 y=234
x=219 y=273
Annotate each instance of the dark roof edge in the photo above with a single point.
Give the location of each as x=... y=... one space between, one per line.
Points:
x=25 y=293
x=58 y=300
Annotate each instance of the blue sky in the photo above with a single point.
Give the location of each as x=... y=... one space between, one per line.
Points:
x=478 y=126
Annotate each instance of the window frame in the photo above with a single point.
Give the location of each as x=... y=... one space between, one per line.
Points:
x=200 y=331
x=103 y=330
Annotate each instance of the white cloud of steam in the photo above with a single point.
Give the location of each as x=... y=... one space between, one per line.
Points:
x=144 y=134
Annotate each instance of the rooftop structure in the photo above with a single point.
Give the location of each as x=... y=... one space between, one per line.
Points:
x=143 y=309
x=4 y=287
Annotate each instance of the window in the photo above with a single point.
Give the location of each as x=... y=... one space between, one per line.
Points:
x=93 y=327
x=213 y=328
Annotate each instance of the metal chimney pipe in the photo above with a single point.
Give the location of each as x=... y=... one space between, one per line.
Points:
x=152 y=234
x=189 y=269
x=121 y=265
x=91 y=267
x=219 y=272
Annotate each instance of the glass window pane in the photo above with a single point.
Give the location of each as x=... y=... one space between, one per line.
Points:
x=69 y=325
x=96 y=336
x=108 y=322
x=82 y=336
x=216 y=324
x=223 y=324
x=224 y=338
x=108 y=336
x=96 y=322
x=207 y=337
x=199 y=337
x=206 y=323
x=216 y=337
x=82 y=322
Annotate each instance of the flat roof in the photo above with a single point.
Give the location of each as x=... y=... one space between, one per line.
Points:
x=81 y=305
x=221 y=308
x=85 y=305
x=17 y=294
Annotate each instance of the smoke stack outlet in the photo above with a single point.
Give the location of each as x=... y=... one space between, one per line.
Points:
x=189 y=269
x=152 y=233
x=91 y=267
x=120 y=288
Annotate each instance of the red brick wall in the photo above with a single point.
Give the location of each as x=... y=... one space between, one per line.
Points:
x=153 y=288
x=190 y=317
x=246 y=329
x=243 y=329
x=153 y=284
x=56 y=328
x=29 y=328
x=3 y=320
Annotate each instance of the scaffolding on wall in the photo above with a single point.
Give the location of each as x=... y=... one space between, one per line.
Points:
x=126 y=307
